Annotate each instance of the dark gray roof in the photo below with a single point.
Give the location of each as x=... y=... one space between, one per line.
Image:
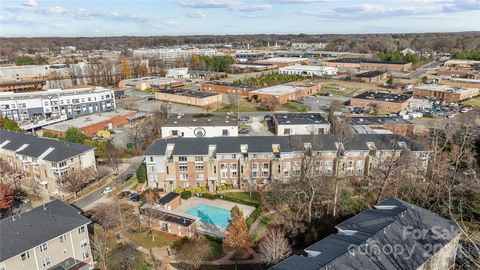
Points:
x=370 y=74
x=263 y=144
x=299 y=118
x=378 y=120
x=39 y=225
x=167 y=216
x=363 y=60
x=168 y=198
x=38 y=145
x=390 y=224
x=202 y=119
x=380 y=96
x=229 y=84
x=188 y=93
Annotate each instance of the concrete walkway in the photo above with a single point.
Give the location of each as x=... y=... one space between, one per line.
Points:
x=254 y=226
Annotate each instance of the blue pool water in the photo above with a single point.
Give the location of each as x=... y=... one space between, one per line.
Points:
x=210 y=214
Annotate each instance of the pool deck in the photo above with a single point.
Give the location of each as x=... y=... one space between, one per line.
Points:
x=210 y=228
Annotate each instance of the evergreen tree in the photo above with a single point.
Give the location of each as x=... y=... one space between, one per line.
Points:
x=8 y=124
x=74 y=135
x=237 y=232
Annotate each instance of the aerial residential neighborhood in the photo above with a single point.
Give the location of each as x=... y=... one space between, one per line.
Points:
x=239 y=135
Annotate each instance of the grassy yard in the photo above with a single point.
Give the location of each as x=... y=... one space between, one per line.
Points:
x=242 y=197
x=228 y=108
x=474 y=102
x=262 y=227
x=295 y=107
x=161 y=239
x=333 y=90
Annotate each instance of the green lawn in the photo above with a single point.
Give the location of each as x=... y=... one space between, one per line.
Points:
x=294 y=107
x=228 y=108
x=262 y=227
x=242 y=197
x=144 y=239
x=474 y=102
x=333 y=90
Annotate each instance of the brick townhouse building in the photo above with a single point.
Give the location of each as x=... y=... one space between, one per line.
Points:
x=43 y=161
x=50 y=236
x=197 y=162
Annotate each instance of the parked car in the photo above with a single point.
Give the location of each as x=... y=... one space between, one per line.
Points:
x=244 y=130
x=107 y=190
x=150 y=98
x=464 y=110
x=134 y=197
x=268 y=117
x=244 y=118
x=127 y=177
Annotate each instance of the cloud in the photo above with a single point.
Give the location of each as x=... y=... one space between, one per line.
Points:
x=30 y=3
x=298 y=1
x=195 y=14
x=233 y=5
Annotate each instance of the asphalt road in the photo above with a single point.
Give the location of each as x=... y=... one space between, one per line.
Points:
x=97 y=194
x=419 y=72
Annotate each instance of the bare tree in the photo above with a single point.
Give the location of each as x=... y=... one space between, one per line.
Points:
x=270 y=104
x=74 y=181
x=195 y=251
x=101 y=247
x=112 y=155
x=151 y=198
x=135 y=132
x=125 y=257
x=274 y=246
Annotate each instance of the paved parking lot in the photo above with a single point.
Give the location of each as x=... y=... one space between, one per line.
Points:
x=322 y=103
x=258 y=127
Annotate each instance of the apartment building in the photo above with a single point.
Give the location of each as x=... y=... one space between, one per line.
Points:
x=200 y=125
x=44 y=161
x=393 y=235
x=36 y=109
x=51 y=236
x=383 y=102
x=211 y=162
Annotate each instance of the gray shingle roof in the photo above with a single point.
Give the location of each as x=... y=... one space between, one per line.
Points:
x=378 y=228
x=168 y=198
x=38 y=145
x=263 y=144
x=25 y=231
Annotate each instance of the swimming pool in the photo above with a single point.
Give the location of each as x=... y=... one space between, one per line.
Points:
x=210 y=214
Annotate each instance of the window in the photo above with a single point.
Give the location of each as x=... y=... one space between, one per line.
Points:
x=286 y=169
x=255 y=156
x=223 y=170
x=225 y=132
x=86 y=255
x=214 y=168
x=234 y=156
x=360 y=167
x=182 y=158
x=265 y=169
x=296 y=168
x=43 y=247
x=199 y=167
x=318 y=167
x=199 y=176
x=255 y=170
x=83 y=243
x=184 y=177
x=233 y=170
x=81 y=230
x=151 y=159
x=183 y=167
x=328 y=167
x=198 y=159
x=46 y=262
x=174 y=132
x=25 y=256
x=62 y=238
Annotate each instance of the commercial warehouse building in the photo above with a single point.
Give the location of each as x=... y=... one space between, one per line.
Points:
x=368 y=64
x=306 y=70
x=445 y=92
x=285 y=92
x=382 y=102
x=200 y=125
x=380 y=124
x=240 y=161
x=283 y=61
x=189 y=97
x=227 y=88
x=40 y=108
x=371 y=76
x=287 y=124
x=145 y=83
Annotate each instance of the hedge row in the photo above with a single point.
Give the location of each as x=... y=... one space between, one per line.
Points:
x=203 y=189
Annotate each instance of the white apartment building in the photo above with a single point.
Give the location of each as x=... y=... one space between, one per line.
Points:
x=40 y=107
x=305 y=70
x=201 y=125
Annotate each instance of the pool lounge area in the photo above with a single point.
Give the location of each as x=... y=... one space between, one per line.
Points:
x=213 y=214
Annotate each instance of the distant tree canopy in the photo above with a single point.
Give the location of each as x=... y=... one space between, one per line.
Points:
x=396 y=56
x=8 y=124
x=24 y=60
x=74 y=135
x=471 y=55
x=218 y=63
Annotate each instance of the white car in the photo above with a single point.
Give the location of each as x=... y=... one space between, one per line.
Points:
x=107 y=190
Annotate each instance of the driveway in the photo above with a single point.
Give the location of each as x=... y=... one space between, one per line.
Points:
x=258 y=127
x=322 y=103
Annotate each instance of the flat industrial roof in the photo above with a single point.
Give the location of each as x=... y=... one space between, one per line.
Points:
x=380 y=120
x=380 y=96
x=239 y=85
x=151 y=80
x=444 y=88
x=306 y=67
x=363 y=60
x=188 y=93
x=278 y=90
x=202 y=119
x=283 y=59
x=370 y=74
x=88 y=120
x=299 y=118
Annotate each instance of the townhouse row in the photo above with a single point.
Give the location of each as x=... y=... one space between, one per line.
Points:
x=40 y=163
x=211 y=162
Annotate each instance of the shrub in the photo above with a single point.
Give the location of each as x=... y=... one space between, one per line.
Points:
x=179 y=190
x=204 y=189
x=186 y=195
x=142 y=173
x=210 y=196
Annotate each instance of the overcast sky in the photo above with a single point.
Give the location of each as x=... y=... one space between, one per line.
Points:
x=188 y=17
